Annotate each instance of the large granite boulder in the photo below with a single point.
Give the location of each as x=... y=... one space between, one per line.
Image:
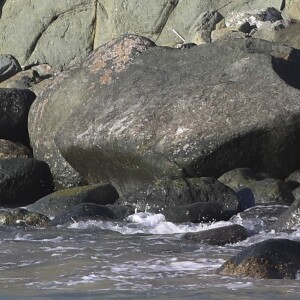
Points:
x=178 y=113
x=23 y=181
x=50 y=109
x=64 y=32
x=14 y=109
x=270 y=259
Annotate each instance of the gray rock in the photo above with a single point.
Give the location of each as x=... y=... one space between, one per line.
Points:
x=60 y=201
x=9 y=66
x=296 y=193
x=290 y=219
x=50 y=109
x=22 y=217
x=270 y=259
x=292 y=9
x=173 y=112
x=22 y=80
x=219 y=236
x=92 y=211
x=174 y=197
x=14 y=109
x=293 y=180
x=265 y=190
x=23 y=181
x=289 y=36
x=10 y=149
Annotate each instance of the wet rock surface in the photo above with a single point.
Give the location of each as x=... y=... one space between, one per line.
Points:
x=270 y=259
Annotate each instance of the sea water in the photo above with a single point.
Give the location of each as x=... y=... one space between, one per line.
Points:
x=142 y=257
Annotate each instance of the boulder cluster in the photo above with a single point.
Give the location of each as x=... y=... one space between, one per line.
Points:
x=192 y=111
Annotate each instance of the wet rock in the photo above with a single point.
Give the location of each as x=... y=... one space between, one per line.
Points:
x=91 y=211
x=199 y=212
x=293 y=180
x=9 y=66
x=63 y=200
x=23 y=181
x=270 y=259
x=265 y=190
x=290 y=219
x=219 y=236
x=163 y=120
x=10 y=149
x=14 y=109
x=51 y=109
x=178 y=199
x=22 y=217
x=296 y=193
x=259 y=218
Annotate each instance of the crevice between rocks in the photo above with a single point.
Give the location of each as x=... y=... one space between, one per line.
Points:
x=1 y=7
x=288 y=69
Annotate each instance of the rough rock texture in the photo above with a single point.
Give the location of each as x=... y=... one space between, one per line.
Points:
x=64 y=32
x=292 y=9
x=190 y=112
x=265 y=190
x=22 y=217
x=22 y=80
x=60 y=201
x=88 y=211
x=180 y=194
x=293 y=180
x=10 y=149
x=271 y=259
x=219 y=236
x=289 y=36
x=9 y=66
x=14 y=109
x=23 y=181
x=58 y=100
x=290 y=219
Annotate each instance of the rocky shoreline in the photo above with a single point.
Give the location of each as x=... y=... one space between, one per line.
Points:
x=199 y=133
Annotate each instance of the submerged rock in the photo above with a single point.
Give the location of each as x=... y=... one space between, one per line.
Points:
x=88 y=211
x=219 y=236
x=24 y=181
x=270 y=259
x=22 y=217
x=63 y=200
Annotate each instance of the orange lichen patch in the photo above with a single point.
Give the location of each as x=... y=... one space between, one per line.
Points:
x=113 y=57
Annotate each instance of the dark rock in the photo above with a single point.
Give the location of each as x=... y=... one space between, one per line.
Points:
x=290 y=219
x=246 y=199
x=22 y=217
x=9 y=66
x=161 y=119
x=14 y=109
x=293 y=180
x=272 y=14
x=60 y=201
x=174 y=197
x=10 y=149
x=266 y=191
x=203 y=212
x=50 y=109
x=219 y=236
x=271 y=259
x=87 y=211
x=23 y=181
